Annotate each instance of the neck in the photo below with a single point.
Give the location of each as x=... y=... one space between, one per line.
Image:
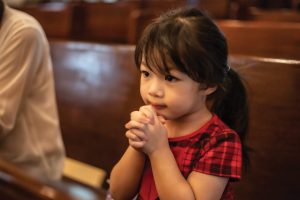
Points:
x=187 y=124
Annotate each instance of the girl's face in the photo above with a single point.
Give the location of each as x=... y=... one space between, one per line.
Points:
x=174 y=95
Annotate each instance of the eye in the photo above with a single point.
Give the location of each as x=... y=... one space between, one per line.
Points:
x=170 y=78
x=145 y=73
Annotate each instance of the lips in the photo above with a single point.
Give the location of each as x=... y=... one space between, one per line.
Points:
x=158 y=106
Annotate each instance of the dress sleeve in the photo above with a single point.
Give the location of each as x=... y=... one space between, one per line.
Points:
x=20 y=55
x=222 y=156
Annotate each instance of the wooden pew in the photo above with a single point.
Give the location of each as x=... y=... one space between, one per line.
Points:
x=273 y=86
x=279 y=15
x=105 y=22
x=160 y=7
x=15 y=184
x=56 y=18
x=97 y=87
x=138 y=20
x=217 y=9
x=265 y=39
x=150 y=10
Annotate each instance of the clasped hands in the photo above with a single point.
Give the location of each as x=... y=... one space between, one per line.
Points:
x=146 y=130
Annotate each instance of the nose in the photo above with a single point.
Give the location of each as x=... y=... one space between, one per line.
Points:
x=156 y=88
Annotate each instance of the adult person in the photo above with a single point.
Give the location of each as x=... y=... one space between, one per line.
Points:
x=30 y=134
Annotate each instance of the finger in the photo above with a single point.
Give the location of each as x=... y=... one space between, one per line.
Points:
x=134 y=124
x=140 y=135
x=131 y=136
x=139 y=116
x=137 y=135
x=137 y=145
x=148 y=112
x=161 y=119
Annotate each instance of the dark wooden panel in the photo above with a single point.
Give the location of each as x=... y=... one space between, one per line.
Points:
x=55 y=18
x=15 y=184
x=97 y=87
x=266 y=39
x=278 y=15
x=106 y=22
x=215 y=8
x=274 y=97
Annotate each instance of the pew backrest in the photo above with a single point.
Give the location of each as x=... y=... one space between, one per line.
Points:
x=273 y=90
x=276 y=15
x=264 y=39
x=106 y=22
x=97 y=87
x=56 y=18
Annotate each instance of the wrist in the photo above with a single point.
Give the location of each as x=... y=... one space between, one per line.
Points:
x=159 y=152
x=136 y=152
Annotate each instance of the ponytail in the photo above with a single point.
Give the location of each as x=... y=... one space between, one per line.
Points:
x=1 y=10
x=231 y=106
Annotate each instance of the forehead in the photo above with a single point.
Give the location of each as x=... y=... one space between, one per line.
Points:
x=159 y=61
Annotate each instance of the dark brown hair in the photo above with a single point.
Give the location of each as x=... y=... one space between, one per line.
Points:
x=1 y=10
x=192 y=42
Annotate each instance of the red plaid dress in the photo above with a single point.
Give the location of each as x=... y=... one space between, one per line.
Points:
x=213 y=149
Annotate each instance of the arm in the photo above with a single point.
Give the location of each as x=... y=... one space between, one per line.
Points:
x=155 y=144
x=167 y=176
x=20 y=54
x=166 y=172
x=207 y=186
x=126 y=174
x=198 y=185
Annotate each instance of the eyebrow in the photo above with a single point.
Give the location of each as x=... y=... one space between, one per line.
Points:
x=170 y=68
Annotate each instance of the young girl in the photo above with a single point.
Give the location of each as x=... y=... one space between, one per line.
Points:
x=187 y=141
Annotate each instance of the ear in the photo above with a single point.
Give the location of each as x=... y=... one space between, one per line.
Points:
x=210 y=90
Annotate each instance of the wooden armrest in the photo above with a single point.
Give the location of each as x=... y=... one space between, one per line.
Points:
x=84 y=173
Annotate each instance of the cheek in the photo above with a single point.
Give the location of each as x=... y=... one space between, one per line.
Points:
x=173 y=98
x=143 y=92
x=180 y=99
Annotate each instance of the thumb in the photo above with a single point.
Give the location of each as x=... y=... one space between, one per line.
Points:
x=161 y=119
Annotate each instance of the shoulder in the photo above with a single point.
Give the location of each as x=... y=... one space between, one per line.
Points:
x=220 y=152
x=17 y=24
x=216 y=131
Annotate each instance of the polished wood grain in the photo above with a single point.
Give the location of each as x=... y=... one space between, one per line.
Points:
x=265 y=39
x=15 y=184
x=106 y=22
x=273 y=87
x=278 y=15
x=97 y=87
x=56 y=18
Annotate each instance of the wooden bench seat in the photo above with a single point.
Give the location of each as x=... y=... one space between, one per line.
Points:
x=15 y=184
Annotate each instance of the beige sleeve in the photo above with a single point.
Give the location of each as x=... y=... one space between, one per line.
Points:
x=20 y=55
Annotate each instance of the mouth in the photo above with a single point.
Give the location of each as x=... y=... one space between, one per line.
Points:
x=158 y=106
